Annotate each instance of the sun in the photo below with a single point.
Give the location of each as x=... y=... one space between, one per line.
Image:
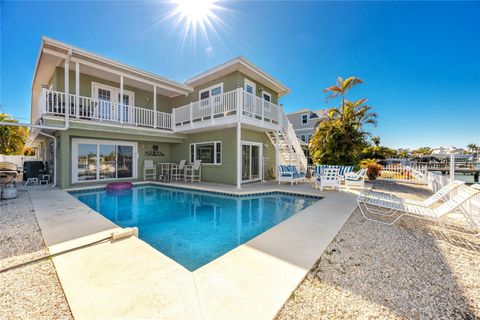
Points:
x=195 y=12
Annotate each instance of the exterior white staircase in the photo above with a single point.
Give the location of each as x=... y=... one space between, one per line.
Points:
x=290 y=150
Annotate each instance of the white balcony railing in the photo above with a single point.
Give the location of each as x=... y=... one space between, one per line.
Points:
x=54 y=103
x=228 y=104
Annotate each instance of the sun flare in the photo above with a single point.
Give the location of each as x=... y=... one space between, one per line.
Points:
x=195 y=12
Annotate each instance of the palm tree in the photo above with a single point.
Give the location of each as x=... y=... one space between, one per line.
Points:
x=340 y=138
x=341 y=88
x=376 y=141
x=356 y=114
x=473 y=148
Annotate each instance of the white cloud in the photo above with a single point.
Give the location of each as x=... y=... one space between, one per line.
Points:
x=208 y=49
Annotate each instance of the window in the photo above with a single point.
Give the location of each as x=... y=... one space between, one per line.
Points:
x=304 y=118
x=205 y=94
x=208 y=152
x=108 y=93
x=104 y=94
x=94 y=160
x=266 y=96
x=309 y=136
x=250 y=87
x=211 y=91
x=303 y=137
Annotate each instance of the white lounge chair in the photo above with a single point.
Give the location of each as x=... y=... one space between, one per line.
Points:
x=330 y=178
x=178 y=170
x=149 y=170
x=445 y=192
x=194 y=172
x=355 y=179
x=408 y=209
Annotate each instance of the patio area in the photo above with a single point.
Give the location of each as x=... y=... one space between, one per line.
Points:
x=343 y=265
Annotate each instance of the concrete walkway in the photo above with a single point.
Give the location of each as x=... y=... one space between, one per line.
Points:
x=130 y=279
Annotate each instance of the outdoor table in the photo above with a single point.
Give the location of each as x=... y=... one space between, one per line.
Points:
x=165 y=169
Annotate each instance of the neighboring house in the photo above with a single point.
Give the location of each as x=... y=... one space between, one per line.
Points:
x=119 y=116
x=304 y=122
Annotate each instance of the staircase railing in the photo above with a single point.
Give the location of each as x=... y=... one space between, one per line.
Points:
x=297 y=147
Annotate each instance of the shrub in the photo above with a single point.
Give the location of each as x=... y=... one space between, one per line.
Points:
x=373 y=168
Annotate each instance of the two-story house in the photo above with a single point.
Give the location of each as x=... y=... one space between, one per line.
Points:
x=304 y=122
x=106 y=118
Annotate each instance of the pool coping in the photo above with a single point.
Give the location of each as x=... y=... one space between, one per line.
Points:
x=216 y=290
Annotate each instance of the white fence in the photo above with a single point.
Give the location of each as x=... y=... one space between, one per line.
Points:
x=411 y=174
x=18 y=160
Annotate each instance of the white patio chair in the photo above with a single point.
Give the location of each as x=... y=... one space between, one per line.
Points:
x=178 y=170
x=446 y=192
x=357 y=179
x=194 y=172
x=149 y=170
x=408 y=209
x=330 y=178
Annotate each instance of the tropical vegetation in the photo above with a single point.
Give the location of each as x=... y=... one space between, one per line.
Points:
x=373 y=168
x=12 y=138
x=341 y=137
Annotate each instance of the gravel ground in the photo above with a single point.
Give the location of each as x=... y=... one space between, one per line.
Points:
x=390 y=272
x=32 y=291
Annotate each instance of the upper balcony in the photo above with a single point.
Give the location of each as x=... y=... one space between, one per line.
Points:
x=221 y=110
x=53 y=103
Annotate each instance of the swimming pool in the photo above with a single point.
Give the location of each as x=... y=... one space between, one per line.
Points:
x=191 y=227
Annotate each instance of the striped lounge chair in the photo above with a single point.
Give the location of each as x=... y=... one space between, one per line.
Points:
x=289 y=173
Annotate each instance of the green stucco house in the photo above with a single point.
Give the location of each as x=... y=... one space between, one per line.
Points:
x=100 y=119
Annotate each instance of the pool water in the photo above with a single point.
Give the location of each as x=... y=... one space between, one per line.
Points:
x=193 y=228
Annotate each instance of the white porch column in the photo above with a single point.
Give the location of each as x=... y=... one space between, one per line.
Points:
x=67 y=89
x=239 y=155
x=121 y=99
x=77 y=89
x=154 y=106
x=277 y=154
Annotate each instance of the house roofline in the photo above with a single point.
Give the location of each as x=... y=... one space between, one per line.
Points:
x=178 y=85
x=244 y=62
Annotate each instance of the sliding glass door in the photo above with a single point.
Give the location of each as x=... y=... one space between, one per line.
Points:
x=94 y=160
x=251 y=161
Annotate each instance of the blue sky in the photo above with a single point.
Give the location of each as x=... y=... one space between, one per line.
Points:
x=420 y=61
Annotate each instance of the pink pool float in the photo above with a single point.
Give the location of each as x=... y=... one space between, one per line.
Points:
x=119 y=186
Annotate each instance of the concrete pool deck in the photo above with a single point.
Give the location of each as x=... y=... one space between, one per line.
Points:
x=130 y=279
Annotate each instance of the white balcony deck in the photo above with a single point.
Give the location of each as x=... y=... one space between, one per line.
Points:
x=53 y=103
x=229 y=108
x=224 y=109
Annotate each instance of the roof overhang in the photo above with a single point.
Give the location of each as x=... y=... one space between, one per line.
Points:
x=53 y=53
x=246 y=67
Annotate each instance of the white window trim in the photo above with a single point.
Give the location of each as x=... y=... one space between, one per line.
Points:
x=267 y=105
x=301 y=118
x=254 y=86
x=267 y=94
x=214 y=152
x=115 y=91
x=74 y=146
x=207 y=105
x=220 y=84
